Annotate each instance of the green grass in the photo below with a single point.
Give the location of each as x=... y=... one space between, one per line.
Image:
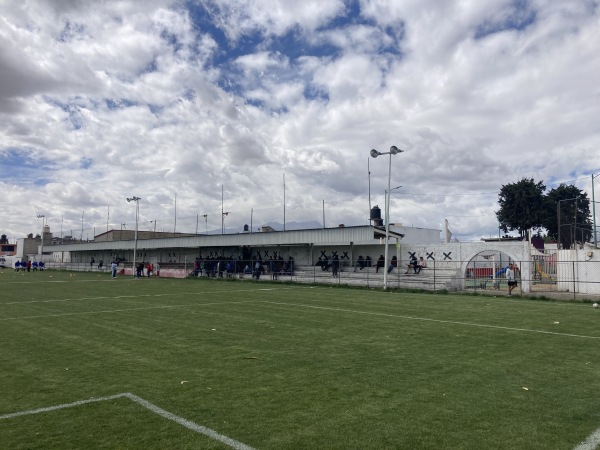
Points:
x=282 y=366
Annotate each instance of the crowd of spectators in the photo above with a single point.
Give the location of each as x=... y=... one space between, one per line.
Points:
x=218 y=267
x=29 y=266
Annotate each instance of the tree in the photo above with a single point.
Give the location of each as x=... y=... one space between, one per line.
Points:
x=3 y=239
x=521 y=206
x=568 y=217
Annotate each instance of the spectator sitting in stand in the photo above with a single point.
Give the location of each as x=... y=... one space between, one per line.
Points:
x=412 y=264
x=380 y=263
x=360 y=263
x=393 y=264
x=422 y=264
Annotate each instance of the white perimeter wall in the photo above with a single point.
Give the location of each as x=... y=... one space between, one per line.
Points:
x=579 y=271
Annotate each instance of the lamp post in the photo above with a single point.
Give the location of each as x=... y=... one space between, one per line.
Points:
x=137 y=213
x=43 y=217
x=387 y=220
x=387 y=194
x=374 y=154
x=594 y=212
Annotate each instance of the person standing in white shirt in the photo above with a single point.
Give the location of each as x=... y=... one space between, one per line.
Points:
x=113 y=269
x=510 y=278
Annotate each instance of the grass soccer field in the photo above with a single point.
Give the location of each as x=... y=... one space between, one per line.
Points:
x=90 y=362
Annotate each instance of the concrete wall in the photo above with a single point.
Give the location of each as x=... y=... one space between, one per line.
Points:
x=579 y=271
x=456 y=255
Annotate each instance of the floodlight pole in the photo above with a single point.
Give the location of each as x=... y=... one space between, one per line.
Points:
x=374 y=154
x=135 y=236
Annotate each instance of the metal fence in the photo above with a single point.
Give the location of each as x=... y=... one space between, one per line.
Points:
x=575 y=280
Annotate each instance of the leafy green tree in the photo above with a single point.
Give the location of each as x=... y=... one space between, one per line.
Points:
x=568 y=215
x=3 y=239
x=521 y=206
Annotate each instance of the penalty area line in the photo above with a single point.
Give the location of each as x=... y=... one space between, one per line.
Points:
x=149 y=406
x=592 y=442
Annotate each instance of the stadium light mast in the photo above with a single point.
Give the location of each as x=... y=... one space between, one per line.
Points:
x=135 y=236
x=374 y=154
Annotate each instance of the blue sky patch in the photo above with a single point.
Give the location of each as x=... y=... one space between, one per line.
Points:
x=85 y=163
x=255 y=102
x=294 y=44
x=151 y=67
x=155 y=109
x=119 y=103
x=315 y=93
x=521 y=16
x=19 y=166
x=70 y=31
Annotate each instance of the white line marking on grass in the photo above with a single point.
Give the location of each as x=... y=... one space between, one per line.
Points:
x=426 y=319
x=171 y=294
x=56 y=281
x=112 y=311
x=57 y=407
x=592 y=442
x=87 y=298
x=190 y=425
x=149 y=406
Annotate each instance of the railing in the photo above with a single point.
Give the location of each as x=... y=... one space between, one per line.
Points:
x=568 y=279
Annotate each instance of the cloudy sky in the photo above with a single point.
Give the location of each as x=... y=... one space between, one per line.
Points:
x=204 y=106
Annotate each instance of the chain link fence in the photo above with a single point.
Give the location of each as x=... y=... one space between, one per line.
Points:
x=548 y=277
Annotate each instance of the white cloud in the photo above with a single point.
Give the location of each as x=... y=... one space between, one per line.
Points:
x=145 y=98
x=270 y=17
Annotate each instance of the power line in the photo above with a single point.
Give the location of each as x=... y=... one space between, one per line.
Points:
x=451 y=195
x=440 y=214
